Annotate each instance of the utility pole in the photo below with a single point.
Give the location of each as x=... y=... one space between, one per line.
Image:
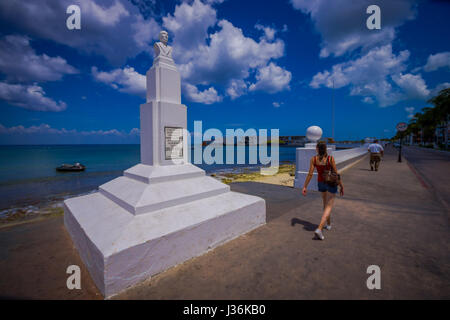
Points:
x=332 y=113
x=401 y=127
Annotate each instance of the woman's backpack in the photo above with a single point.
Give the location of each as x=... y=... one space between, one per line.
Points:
x=330 y=177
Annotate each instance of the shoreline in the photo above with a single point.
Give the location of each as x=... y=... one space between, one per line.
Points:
x=52 y=204
x=284 y=176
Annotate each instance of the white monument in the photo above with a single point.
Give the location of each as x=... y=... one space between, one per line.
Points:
x=164 y=210
x=303 y=157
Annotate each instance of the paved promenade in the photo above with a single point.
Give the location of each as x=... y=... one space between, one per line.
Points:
x=433 y=168
x=387 y=218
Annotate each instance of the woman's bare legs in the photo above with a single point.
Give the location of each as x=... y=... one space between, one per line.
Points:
x=327 y=209
x=324 y=199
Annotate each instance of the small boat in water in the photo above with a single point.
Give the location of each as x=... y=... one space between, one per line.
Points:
x=71 y=167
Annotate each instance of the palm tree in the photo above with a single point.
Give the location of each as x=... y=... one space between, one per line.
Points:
x=413 y=127
x=430 y=118
x=427 y=122
x=442 y=110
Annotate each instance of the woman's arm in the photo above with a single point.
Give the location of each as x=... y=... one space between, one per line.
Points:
x=333 y=164
x=309 y=176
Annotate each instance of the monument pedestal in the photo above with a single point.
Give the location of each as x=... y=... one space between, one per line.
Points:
x=162 y=211
x=149 y=220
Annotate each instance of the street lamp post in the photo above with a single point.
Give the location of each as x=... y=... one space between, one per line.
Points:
x=402 y=126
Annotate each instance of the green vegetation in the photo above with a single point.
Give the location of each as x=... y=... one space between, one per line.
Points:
x=23 y=215
x=424 y=124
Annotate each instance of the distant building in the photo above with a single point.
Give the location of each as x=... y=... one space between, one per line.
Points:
x=292 y=140
x=441 y=134
x=247 y=141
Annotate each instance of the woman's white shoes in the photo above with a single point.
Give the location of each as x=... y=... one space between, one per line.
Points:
x=319 y=234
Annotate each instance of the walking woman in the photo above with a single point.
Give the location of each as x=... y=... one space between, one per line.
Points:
x=328 y=181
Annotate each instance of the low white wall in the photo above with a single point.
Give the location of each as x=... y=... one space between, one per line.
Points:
x=347 y=154
x=303 y=156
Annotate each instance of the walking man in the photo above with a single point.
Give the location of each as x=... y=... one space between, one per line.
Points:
x=376 y=152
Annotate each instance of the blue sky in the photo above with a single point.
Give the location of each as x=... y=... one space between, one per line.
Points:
x=244 y=64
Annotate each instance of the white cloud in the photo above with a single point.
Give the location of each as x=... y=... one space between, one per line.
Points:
x=374 y=75
x=269 y=33
x=207 y=96
x=30 y=97
x=135 y=132
x=413 y=85
x=114 y=29
x=19 y=62
x=368 y=100
x=410 y=112
x=225 y=58
x=440 y=87
x=214 y=1
x=190 y=24
x=144 y=32
x=125 y=80
x=230 y=55
x=436 y=61
x=277 y=104
x=45 y=130
x=271 y=78
x=342 y=24
x=108 y=16
x=236 y=88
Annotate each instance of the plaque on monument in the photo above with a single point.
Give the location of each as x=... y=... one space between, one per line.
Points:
x=173 y=143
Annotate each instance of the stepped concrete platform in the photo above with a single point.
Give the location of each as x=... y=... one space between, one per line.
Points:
x=138 y=197
x=164 y=210
x=131 y=229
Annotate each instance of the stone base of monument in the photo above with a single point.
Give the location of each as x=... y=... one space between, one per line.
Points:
x=153 y=218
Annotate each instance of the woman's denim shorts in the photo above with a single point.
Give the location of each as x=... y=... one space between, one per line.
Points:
x=323 y=187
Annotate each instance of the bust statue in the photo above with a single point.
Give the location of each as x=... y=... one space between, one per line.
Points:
x=161 y=48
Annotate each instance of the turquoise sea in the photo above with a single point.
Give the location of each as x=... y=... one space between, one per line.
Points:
x=28 y=176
